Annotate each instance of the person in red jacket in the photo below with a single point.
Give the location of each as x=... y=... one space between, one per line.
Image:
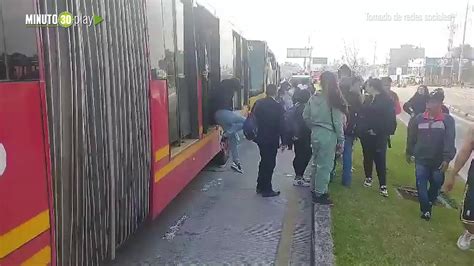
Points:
x=387 y=84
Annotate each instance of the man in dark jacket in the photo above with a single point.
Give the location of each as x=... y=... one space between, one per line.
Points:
x=431 y=141
x=269 y=115
x=231 y=122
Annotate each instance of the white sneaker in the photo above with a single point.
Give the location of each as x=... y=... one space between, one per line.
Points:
x=464 y=241
x=237 y=167
x=384 y=191
x=368 y=182
x=300 y=182
x=307 y=180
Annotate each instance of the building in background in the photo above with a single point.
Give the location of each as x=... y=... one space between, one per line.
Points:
x=400 y=57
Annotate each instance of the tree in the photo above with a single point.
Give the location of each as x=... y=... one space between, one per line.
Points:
x=359 y=65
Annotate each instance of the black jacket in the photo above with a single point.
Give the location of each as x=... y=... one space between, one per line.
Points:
x=222 y=99
x=416 y=105
x=431 y=140
x=270 y=119
x=302 y=131
x=377 y=114
x=354 y=101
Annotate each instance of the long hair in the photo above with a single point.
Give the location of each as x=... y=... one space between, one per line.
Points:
x=334 y=95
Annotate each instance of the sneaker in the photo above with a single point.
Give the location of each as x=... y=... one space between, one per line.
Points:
x=237 y=167
x=464 y=241
x=426 y=216
x=368 y=182
x=322 y=200
x=384 y=191
x=270 y=194
x=307 y=180
x=224 y=138
x=300 y=182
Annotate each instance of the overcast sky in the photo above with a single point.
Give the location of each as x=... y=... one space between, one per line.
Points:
x=289 y=23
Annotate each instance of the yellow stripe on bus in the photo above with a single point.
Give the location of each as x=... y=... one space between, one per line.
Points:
x=42 y=257
x=22 y=234
x=180 y=158
x=162 y=153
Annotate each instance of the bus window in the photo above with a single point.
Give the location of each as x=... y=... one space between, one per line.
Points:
x=257 y=67
x=184 y=112
x=18 y=43
x=158 y=60
x=226 y=50
x=170 y=50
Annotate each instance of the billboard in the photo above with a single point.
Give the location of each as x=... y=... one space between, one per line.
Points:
x=298 y=52
x=319 y=60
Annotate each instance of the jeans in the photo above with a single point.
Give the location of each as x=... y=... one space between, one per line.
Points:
x=347 y=161
x=427 y=196
x=302 y=156
x=374 y=149
x=324 y=150
x=268 y=153
x=232 y=123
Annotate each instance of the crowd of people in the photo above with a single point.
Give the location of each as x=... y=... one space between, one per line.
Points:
x=323 y=125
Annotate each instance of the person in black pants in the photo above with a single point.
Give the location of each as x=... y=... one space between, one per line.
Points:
x=377 y=121
x=301 y=139
x=269 y=116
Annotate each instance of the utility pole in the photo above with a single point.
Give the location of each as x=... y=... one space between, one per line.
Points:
x=462 y=45
x=375 y=52
x=452 y=31
x=374 y=66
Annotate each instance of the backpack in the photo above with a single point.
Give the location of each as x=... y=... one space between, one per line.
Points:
x=250 y=127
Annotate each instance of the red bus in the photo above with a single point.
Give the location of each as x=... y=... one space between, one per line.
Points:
x=102 y=126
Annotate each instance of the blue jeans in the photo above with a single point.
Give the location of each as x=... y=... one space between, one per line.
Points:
x=427 y=196
x=232 y=123
x=347 y=161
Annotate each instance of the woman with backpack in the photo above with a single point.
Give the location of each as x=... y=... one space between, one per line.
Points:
x=324 y=114
x=377 y=121
x=300 y=136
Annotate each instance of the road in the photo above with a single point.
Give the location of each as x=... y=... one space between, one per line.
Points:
x=219 y=220
x=461 y=99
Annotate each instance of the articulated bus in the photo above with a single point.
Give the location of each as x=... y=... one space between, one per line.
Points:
x=264 y=69
x=102 y=126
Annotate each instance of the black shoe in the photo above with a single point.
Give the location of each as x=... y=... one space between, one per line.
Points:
x=426 y=216
x=258 y=190
x=270 y=194
x=322 y=199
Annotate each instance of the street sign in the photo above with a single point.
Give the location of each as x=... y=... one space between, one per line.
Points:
x=298 y=52
x=320 y=60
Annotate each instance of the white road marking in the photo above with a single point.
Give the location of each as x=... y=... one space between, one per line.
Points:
x=3 y=159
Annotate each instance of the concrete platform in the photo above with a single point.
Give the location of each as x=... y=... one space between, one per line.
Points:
x=219 y=219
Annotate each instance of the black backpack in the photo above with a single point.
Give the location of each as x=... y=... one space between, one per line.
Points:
x=250 y=127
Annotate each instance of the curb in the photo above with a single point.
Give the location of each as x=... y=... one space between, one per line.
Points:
x=461 y=113
x=321 y=237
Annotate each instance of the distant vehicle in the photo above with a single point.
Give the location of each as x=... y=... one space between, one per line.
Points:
x=300 y=79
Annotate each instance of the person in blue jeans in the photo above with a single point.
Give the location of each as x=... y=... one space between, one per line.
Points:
x=431 y=141
x=352 y=90
x=230 y=121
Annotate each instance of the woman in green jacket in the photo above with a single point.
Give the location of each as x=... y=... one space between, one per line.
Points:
x=325 y=115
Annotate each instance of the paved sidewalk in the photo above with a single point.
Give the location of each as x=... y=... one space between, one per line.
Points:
x=219 y=219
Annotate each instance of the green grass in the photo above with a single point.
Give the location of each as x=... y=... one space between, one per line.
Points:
x=371 y=230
